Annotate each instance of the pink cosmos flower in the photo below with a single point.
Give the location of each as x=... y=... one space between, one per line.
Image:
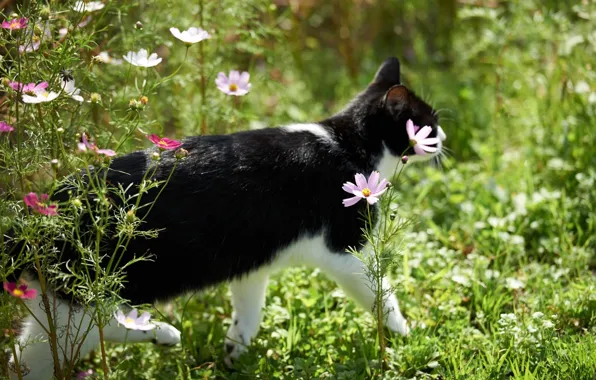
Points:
x=15 y=23
x=20 y=291
x=132 y=322
x=363 y=189
x=84 y=374
x=419 y=138
x=29 y=47
x=29 y=88
x=236 y=84
x=5 y=127
x=164 y=143
x=85 y=144
x=39 y=204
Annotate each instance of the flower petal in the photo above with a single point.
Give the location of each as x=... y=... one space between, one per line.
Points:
x=410 y=128
x=430 y=149
x=372 y=200
x=349 y=187
x=350 y=201
x=373 y=179
x=423 y=133
x=419 y=150
x=360 y=181
x=429 y=141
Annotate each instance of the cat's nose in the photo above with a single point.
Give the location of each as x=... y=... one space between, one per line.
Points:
x=441 y=134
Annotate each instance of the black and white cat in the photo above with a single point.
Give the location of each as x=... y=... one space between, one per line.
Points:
x=244 y=205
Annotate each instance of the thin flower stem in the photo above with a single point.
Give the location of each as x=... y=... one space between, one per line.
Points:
x=202 y=73
x=46 y=303
x=104 y=358
x=17 y=365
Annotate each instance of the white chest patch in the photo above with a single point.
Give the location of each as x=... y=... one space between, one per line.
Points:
x=389 y=164
x=315 y=129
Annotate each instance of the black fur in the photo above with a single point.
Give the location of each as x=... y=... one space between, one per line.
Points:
x=238 y=199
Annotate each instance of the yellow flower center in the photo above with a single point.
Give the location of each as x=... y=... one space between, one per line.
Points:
x=18 y=292
x=39 y=204
x=14 y=24
x=366 y=192
x=233 y=87
x=162 y=143
x=129 y=320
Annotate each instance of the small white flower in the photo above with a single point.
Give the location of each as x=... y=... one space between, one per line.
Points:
x=42 y=96
x=190 y=36
x=132 y=322
x=91 y=6
x=514 y=283
x=548 y=324
x=71 y=90
x=508 y=317
x=104 y=57
x=532 y=329
x=538 y=315
x=142 y=59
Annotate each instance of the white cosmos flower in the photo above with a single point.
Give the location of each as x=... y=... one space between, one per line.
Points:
x=81 y=6
x=104 y=57
x=71 y=90
x=142 y=59
x=41 y=96
x=190 y=36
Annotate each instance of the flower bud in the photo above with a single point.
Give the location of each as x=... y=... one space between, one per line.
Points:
x=76 y=202
x=135 y=104
x=5 y=81
x=155 y=156
x=45 y=13
x=60 y=130
x=55 y=162
x=139 y=25
x=404 y=160
x=95 y=97
x=144 y=100
x=130 y=216
x=181 y=153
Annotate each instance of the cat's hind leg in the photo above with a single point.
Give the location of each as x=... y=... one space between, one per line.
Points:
x=248 y=300
x=76 y=336
x=350 y=274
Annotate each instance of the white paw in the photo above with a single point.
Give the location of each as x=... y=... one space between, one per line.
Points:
x=165 y=334
x=235 y=345
x=398 y=325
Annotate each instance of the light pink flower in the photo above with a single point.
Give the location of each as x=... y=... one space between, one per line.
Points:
x=29 y=88
x=236 y=84
x=85 y=145
x=39 y=204
x=30 y=46
x=132 y=322
x=20 y=291
x=5 y=127
x=84 y=374
x=370 y=190
x=164 y=142
x=15 y=23
x=419 y=139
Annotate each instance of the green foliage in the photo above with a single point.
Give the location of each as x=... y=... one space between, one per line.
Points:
x=496 y=268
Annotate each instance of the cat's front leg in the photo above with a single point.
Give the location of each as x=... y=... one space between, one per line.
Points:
x=349 y=273
x=248 y=300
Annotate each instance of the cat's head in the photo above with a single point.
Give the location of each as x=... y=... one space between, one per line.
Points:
x=393 y=105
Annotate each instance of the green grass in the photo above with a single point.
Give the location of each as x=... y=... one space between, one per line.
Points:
x=495 y=274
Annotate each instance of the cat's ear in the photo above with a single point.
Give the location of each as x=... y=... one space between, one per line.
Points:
x=396 y=99
x=388 y=74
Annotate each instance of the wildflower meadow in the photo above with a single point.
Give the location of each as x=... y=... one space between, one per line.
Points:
x=491 y=249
